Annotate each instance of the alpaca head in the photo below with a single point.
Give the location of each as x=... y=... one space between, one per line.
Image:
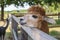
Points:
x=34 y=17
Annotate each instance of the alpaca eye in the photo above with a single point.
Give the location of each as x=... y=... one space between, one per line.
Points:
x=34 y=16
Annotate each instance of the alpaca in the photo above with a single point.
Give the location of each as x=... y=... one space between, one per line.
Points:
x=36 y=17
x=3 y=29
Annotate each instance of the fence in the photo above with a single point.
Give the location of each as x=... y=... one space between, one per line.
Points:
x=27 y=33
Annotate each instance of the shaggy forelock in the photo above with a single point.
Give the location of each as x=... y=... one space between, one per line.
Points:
x=37 y=9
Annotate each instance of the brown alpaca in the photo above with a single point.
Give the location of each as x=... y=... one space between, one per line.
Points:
x=36 y=18
x=41 y=11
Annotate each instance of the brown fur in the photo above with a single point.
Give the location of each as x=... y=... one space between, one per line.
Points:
x=35 y=9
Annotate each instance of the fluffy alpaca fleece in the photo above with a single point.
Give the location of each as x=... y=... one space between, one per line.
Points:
x=36 y=17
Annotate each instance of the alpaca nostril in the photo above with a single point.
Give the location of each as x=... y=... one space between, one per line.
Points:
x=21 y=19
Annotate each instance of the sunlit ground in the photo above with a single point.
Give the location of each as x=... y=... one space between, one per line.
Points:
x=56 y=29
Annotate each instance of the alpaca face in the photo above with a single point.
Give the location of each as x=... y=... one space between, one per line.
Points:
x=31 y=20
x=35 y=16
x=34 y=20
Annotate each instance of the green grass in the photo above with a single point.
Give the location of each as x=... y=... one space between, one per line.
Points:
x=58 y=21
x=23 y=11
x=54 y=33
x=8 y=36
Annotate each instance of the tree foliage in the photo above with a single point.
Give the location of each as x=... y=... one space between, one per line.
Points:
x=30 y=2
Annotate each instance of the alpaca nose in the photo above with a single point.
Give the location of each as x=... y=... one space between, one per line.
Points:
x=21 y=19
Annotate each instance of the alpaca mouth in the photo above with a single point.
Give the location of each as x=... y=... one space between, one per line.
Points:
x=22 y=23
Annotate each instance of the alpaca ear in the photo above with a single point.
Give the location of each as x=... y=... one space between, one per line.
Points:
x=50 y=20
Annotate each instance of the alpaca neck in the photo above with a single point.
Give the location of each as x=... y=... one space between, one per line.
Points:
x=39 y=25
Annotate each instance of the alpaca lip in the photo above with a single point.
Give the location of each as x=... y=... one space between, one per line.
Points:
x=22 y=23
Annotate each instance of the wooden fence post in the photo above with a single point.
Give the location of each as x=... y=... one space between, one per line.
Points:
x=24 y=35
x=14 y=26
